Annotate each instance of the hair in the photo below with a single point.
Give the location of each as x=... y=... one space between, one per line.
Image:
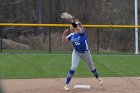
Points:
x=71 y=27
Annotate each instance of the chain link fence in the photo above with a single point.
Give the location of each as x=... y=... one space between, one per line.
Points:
x=48 y=40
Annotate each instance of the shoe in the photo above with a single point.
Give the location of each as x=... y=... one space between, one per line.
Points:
x=66 y=87
x=100 y=81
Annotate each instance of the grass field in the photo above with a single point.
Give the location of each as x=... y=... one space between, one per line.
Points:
x=57 y=65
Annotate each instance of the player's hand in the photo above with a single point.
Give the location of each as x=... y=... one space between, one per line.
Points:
x=66 y=32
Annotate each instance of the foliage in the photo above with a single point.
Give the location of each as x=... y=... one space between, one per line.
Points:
x=87 y=11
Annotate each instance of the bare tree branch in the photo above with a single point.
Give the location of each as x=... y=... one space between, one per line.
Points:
x=34 y=16
x=14 y=20
x=12 y=3
x=16 y=2
x=12 y=28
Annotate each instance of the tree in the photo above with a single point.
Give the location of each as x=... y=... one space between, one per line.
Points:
x=38 y=16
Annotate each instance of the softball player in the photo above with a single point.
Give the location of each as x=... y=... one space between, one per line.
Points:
x=81 y=50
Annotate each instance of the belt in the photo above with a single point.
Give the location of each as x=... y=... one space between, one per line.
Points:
x=82 y=51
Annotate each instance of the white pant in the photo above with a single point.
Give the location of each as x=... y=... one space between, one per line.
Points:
x=85 y=56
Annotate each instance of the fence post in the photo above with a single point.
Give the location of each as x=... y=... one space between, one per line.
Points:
x=1 y=38
x=50 y=40
x=98 y=41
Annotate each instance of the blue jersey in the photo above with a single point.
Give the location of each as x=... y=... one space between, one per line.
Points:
x=79 y=41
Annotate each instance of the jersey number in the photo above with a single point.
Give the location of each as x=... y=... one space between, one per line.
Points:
x=77 y=43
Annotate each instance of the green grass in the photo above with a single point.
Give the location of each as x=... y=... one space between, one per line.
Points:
x=60 y=52
x=57 y=65
x=33 y=51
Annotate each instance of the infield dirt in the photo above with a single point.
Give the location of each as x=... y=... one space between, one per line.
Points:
x=56 y=85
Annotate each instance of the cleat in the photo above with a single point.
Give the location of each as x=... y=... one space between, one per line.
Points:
x=66 y=87
x=100 y=81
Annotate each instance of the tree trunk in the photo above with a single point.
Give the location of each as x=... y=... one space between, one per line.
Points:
x=37 y=16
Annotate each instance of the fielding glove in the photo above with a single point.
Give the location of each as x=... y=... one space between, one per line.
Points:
x=66 y=15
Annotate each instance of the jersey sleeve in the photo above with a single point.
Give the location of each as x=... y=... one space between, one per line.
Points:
x=69 y=37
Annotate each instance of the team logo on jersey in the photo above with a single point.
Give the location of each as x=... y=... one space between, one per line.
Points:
x=75 y=38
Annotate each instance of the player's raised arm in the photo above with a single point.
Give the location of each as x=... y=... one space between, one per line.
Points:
x=69 y=18
x=65 y=33
x=76 y=26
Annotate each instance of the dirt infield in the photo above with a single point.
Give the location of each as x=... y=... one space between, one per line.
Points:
x=56 y=85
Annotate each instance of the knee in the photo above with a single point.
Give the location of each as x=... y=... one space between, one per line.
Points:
x=74 y=68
